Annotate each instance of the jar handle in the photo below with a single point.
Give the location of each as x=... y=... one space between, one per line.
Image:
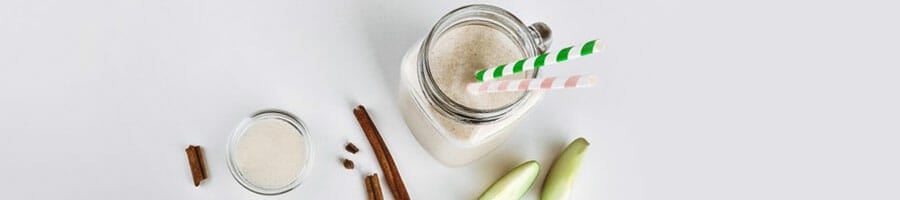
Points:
x=542 y=35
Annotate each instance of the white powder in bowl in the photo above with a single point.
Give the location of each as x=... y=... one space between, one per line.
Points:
x=271 y=153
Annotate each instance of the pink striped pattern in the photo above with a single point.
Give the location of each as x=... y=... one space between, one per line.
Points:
x=572 y=81
x=503 y=85
x=549 y=83
x=483 y=88
x=523 y=85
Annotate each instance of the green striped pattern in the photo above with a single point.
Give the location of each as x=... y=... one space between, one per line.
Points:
x=566 y=54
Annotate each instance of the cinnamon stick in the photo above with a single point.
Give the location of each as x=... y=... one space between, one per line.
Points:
x=385 y=160
x=377 y=187
x=197 y=163
x=373 y=187
x=370 y=189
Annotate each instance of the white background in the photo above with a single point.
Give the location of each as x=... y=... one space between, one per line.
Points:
x=698 y=99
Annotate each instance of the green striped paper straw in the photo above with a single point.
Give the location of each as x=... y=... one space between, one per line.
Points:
x=566 y=54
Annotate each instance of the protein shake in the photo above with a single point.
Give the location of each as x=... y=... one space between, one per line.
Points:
x=455 y=126
x=462 y=51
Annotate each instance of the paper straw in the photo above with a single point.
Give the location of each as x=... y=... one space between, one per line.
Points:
x=551 y=83
x=565 y=54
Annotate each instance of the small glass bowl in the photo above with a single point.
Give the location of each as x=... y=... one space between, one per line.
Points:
x=239 y=132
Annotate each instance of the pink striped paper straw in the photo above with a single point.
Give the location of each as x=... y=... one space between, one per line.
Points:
x=550 y=83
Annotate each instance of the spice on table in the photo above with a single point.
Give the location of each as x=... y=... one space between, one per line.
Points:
x=370 y=189
x=376 y=185
x=351 y=148
x=197 y=163
x=347 y=163
x=373 y=187
x=385 y=160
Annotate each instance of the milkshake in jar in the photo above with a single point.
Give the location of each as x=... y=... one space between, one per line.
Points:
x=455 y=126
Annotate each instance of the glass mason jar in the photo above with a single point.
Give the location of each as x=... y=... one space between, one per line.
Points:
x=454 y=133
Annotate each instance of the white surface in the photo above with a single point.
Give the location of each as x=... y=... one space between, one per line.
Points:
x=698 y=99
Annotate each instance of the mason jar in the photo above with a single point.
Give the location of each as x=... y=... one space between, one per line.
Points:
x=457 y=128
